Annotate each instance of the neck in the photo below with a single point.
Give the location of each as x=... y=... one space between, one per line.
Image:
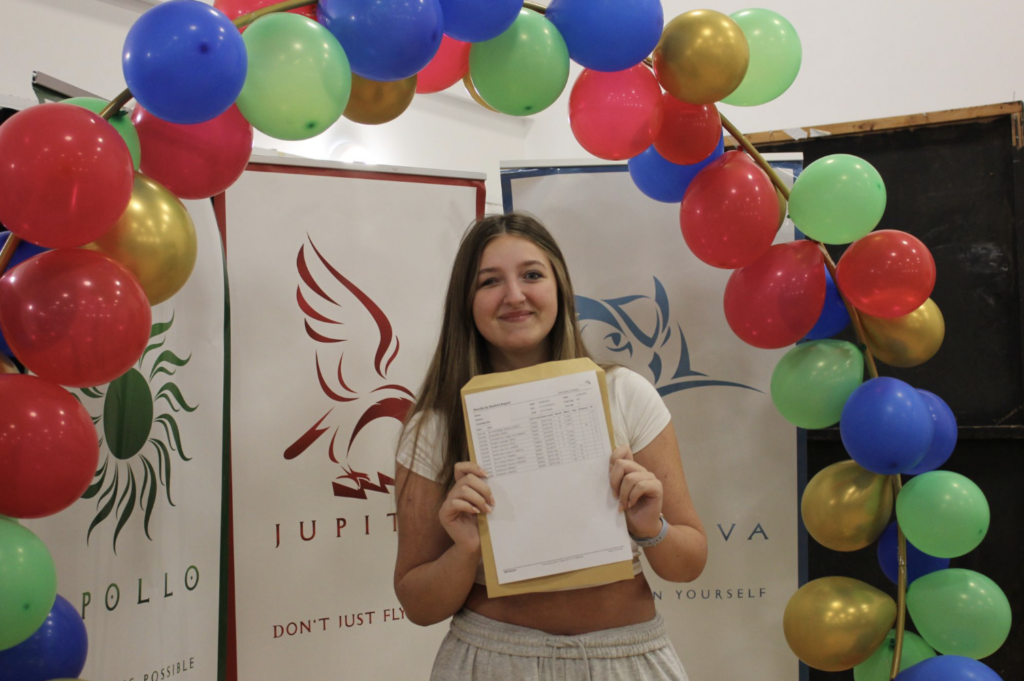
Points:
x=503 y=360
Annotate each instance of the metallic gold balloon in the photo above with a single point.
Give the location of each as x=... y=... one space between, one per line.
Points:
x=702 y=56
x=373 y=102
x=467 y=81
x=846 y=507
x=835 y=623
x=155 y=239
x=907 y=341
x=7 y=366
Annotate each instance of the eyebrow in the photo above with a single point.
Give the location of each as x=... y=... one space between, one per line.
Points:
x=527 y=263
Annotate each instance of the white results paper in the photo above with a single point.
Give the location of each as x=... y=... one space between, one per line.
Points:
x=545 y=447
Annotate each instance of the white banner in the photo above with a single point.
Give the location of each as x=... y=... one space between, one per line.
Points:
x=139 y=555
x=337 y=284
x=644 y=301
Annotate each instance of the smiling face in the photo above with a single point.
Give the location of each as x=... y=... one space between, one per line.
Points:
x=516 y=302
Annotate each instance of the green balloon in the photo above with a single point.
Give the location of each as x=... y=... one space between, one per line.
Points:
x=879 y=665
x=812 y=382
x=943 y=514
x=775 y=55
x=525 y=69
x=837 y=199
x=28 y=584
x=299 y=80
x=122 y=122
x=960 y=612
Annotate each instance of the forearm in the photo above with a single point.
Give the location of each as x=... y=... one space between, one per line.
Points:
x=435 y=591
x=680 y=556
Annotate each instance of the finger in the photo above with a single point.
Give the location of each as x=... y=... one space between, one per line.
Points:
x=620 y=470
x=472 y=496
x=463 y=468
x=645 y=488
x=481 y=487
x=461 y=506
x=619 y=453
x=628 y=483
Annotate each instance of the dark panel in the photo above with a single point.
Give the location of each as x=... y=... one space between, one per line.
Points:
x=954 y=187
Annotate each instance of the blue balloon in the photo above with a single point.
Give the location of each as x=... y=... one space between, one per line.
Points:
x=886 y=426
x=663 y=180
x=23 y=252
x=473 y=21
x=56 y=651
x=919 y=563
x=384 y=40
x=184 y=61
x=608 y=35
x=944 y=441
x=834 y=317
x=949 y=668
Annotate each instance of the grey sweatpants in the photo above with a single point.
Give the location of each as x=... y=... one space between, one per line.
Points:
x=481 y=649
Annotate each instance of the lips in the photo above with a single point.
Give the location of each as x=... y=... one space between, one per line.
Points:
x=517 y=316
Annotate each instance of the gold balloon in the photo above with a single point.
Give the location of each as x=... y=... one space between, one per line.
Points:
x=373 y=102
x=835 y=623
x=7 y=366
x=467 y=81
x=845 y=507
x=702 y=56
x=154 y=238
x=907 y=341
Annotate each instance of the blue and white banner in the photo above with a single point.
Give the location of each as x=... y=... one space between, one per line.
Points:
x=644 y=301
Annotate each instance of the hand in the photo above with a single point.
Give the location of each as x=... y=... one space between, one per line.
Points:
x=639 y=491
x=469 y=497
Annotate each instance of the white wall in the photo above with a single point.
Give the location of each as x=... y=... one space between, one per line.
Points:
x=869 y=59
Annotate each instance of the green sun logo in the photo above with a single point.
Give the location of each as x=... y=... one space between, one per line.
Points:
x=137 y=421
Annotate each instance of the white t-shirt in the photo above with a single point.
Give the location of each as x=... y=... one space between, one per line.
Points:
x=638 y=416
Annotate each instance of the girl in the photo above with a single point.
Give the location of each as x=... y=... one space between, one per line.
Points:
x=510 y=305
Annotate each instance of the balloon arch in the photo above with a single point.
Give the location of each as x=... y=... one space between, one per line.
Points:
x=104 y=228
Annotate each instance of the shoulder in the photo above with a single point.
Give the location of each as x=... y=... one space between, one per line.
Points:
x=624 y=382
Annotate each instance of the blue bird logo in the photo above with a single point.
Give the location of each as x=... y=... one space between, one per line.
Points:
x=610 y=330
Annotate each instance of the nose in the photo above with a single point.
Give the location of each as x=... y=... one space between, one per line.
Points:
x=514 y=294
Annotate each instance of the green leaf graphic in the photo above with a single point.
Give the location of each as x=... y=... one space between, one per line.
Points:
x=167 y=357
x=94 y=393
x=151 y=346
x=165 y=465
x=126 y=513
x=99 y=476
x=174 y=436
x=151 y=499
x=160 y=328
x=105 y=511
x=172 y=390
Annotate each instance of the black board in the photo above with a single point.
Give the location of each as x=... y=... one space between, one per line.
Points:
x=959 y=187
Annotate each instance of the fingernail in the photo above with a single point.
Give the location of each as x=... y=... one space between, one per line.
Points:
x=490 y=509
x=476 y=510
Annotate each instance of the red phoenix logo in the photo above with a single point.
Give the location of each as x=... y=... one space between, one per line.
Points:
x=324 y=321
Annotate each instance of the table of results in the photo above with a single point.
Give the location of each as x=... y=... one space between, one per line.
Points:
x=549 y=429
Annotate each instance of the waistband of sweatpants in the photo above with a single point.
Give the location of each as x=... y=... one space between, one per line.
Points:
x=510 y=639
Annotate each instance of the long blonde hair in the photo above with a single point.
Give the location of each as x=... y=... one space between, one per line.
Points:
x=461 y=351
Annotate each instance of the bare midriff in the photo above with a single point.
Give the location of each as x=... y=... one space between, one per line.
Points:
x=570 y=613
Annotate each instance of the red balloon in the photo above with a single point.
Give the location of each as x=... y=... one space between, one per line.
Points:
x=730 y=212
x=689 y=132
x=74 y=317
x=66 y=175
x=236 y=8
x=48 y=447
x=447 y=67
x=886 y=273
x=776 y=300
x=616 y=115
x=194 y=161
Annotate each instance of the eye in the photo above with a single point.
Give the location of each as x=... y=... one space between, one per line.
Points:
x=616 y=343
x=534 y=275
x=489 y=281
